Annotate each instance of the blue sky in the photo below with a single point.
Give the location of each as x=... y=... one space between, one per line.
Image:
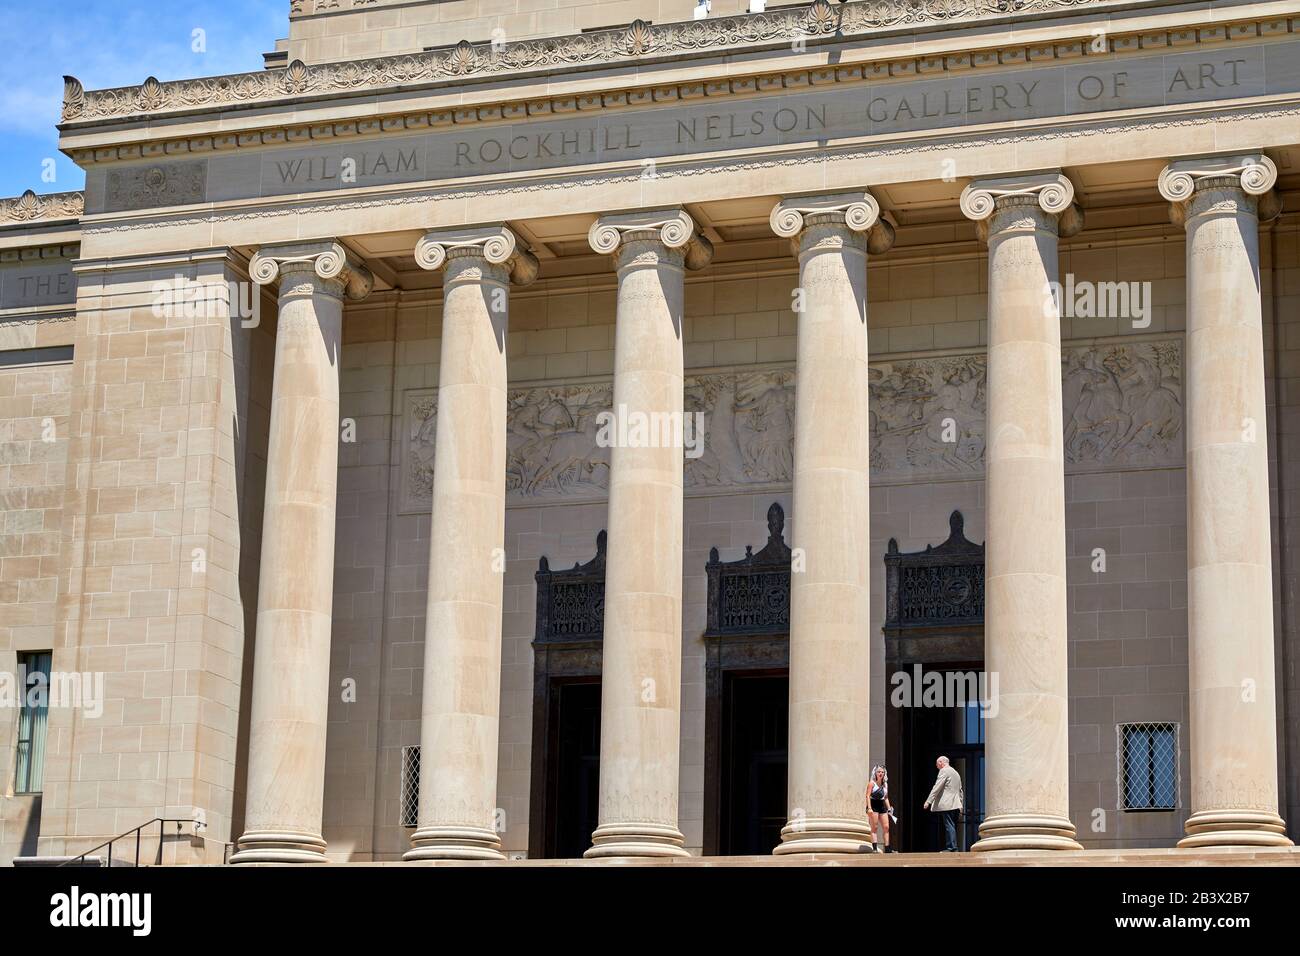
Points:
x=110 y=43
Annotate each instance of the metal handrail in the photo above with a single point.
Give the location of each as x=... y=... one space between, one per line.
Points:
x=161 y=821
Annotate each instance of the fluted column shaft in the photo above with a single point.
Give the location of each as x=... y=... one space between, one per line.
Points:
x=1027 y=726
x=286 y=762
x=460 y=711
x=830 y=590
x=640 y=726
x=1229 y=558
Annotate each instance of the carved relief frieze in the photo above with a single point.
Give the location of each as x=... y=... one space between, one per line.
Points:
x=1123 y=408
x=1124 y=404
x=173 y=184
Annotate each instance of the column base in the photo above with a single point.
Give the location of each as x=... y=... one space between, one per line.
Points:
x=276 y=846
x=454 y=843
x=636 y=839
x=1025 y=832
x=825 y=835
x=1210 y=828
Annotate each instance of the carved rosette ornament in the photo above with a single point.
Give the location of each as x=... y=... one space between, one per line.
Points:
x=674 y=230
x=1189 y=180
x=342 y=275
x=859 y=212
x=1033 y=201
x=498 y=246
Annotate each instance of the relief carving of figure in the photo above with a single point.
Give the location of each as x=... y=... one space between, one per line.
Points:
x=749 y=436
x=1122 y=405
x=764 y=414
x=552 y=446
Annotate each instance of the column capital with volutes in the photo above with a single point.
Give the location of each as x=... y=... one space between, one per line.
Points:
x=1247 y=177
x=497 y=245
x=675 y=229
x=853 y=213
x=333 y=268
x=1043 y=200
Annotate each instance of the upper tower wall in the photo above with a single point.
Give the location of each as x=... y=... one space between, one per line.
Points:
x=322 y=31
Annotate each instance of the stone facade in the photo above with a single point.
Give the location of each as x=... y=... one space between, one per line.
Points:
x=855 y=293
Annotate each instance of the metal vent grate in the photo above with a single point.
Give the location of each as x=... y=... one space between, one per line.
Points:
x=1148 y=766
x=410 y=799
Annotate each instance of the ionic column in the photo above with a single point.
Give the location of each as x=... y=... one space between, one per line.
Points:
x=286 y=755
x=460 y=710
x=1027 y=727
x=1221 y=200
x=830 y=633
x=640 y=717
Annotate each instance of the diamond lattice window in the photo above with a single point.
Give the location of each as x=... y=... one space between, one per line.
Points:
x=1148 y=766
x=410 y=800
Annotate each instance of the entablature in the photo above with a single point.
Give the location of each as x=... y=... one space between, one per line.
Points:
x=409 y=94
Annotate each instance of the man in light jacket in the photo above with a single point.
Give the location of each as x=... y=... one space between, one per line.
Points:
x=945 y=800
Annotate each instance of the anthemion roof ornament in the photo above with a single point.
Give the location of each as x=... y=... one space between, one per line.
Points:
x=30 y=207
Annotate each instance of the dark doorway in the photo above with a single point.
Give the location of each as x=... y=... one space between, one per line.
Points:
x=565 y=776
x=956 y=733
x=756 y=716
x=576 y=719
x=934 y=627
x=747 y=696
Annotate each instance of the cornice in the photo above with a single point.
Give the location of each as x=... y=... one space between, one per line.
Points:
x=638 y=42
x=29 y=207
x=897 y=67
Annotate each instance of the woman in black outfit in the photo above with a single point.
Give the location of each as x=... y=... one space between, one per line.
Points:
x=879 y=805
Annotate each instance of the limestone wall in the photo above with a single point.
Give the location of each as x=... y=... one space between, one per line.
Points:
x=323 y=31
x=34 y=402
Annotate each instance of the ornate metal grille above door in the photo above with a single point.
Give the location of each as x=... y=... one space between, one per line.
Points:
x=571 y=603
x=937 y=587
x=752 y=596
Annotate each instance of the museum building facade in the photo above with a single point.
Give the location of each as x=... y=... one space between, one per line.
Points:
x=529 y=428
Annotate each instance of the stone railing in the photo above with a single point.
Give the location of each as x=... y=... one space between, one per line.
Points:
x=638 y=41
x=29 y=207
